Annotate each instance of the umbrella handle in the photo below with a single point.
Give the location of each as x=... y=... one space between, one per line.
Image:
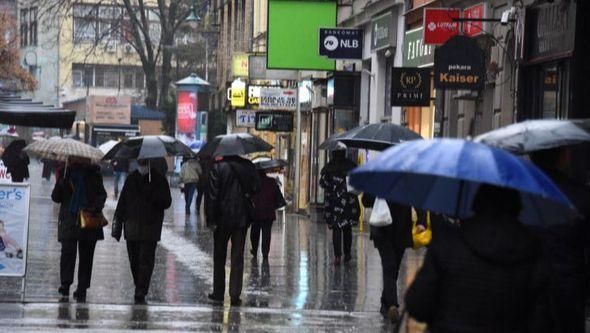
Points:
x=66 y=167
x=149 y=171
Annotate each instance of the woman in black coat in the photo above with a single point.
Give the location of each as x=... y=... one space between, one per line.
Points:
x=81 y=189
x=486 y=275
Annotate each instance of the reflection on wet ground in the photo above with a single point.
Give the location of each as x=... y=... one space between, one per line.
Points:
x=298 y=287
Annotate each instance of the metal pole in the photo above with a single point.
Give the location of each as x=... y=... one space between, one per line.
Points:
x=206 y=58
x=297 y=150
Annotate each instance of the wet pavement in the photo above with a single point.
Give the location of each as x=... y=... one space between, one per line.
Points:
x=298 y=290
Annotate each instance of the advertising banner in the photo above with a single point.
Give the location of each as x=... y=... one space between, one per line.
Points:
x=274 y=121
x=278 y=99
x=474 y=28
x=341 y=43
x=439 y=25
x=245 y=118
x=240 y=65
x=14 y=225
x=410 y=86
x=459 y=64
x=187 y=112
x=109 y=110
x=416 y=53
x=382 y=32
x=4 y=174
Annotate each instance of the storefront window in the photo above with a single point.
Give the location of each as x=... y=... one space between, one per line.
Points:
x=549 y=95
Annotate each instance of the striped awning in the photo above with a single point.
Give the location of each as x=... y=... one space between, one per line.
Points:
x=15 y=110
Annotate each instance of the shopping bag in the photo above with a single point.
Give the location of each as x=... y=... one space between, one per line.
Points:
x=423 y=238
x=380 y=214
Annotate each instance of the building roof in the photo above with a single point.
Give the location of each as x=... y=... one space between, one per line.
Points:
x=192 y=79
x=140 y=112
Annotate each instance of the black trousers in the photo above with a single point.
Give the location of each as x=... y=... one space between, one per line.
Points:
x=338 y=234
x=142 y=255
x=221 y=237
x=200 y=193
x=258 y=227
x=391 y=258
x=67 y=262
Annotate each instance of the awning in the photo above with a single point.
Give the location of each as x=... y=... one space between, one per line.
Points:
x=15 y=110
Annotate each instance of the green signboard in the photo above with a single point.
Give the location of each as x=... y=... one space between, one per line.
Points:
x=416 y=53
x=293 y=34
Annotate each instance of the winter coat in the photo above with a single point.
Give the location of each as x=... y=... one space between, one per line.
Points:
x=68 y=225
x=203 y=182
x=141 y=206
x=485 y=276
x=190 y=172
x=232 y=182
x=19 y=168
x=341 y=208
x=266 y=201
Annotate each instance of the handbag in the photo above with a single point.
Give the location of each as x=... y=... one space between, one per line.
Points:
x=89 y=220
x=421 y=239
x=380 y=214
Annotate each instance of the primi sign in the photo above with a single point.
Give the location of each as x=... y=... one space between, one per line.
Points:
x=459 y=64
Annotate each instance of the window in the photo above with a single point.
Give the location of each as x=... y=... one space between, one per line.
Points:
x=111 y=78
x=128 y=79
x=85 y=26
x=77 y=78
x=139 y=80
x=28 y=27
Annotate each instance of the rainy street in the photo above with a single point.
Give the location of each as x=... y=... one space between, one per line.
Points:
x=298 y=290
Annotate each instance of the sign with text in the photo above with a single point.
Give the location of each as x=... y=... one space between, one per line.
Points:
x=14 y=224
x=416 y=53
x=4 y=174
x=439 y=25
x=109 y=110
x=382 y=32
x=237 y=93
x=186 y=115
x=245 y=118
x=274 y=121
x=240 y=65
x=476 y=12
x=341 y=43
x=272 y=98
x=459 y=64
x=410 y=86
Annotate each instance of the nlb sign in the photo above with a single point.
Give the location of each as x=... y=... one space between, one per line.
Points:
x=459 y=64
x=341 y=43
x=440 y=25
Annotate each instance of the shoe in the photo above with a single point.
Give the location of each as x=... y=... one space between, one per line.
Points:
x=347 y=258
x=236 y=302
x=64 y=291
x=80 y=296
x=215 y=298
x=393 y=314
x=64 y=299
x=337 y=260
x=139 y=300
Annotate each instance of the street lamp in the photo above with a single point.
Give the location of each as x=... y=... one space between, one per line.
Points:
x=193 y=17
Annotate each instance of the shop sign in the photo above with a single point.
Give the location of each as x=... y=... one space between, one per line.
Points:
x=382 y=32
x=14 y=214
x=274 y=121
x=257 y=70
x=109 y=110
x=474 y=28
x=550 y=30
x=410 y=86
x=254 y=95
x=4 y=174
x=459 y=64
x=272 y=98
x=245 y=118
x=237 y=94
x=186 y=115
x=341 y=43
x=416 y=53
x=439 y=25
x=240 y=65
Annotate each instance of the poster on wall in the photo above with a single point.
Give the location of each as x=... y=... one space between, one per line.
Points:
x=186 y=119
x=14 y=225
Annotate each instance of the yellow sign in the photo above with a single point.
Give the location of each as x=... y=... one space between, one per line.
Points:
x=238 y=97
x=240 y=65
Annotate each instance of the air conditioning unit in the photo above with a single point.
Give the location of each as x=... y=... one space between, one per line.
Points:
x=111 y=47
x=128 y=48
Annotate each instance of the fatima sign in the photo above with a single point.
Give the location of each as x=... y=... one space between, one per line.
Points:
x=410 y=86
x=459 y=64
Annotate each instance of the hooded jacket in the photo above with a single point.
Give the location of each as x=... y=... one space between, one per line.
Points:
x=485 y=276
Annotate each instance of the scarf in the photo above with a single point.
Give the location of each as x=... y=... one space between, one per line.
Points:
x=78 y=200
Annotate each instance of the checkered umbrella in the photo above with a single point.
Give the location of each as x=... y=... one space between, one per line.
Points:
x=58 y=149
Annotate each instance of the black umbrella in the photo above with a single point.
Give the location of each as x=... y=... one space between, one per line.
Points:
x=270 y=164
x=378 y=136
x=332 y=143
x=234 y=144
x=533 y=135
x=147 y=147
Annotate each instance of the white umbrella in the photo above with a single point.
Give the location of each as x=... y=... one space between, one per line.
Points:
x=105 y=147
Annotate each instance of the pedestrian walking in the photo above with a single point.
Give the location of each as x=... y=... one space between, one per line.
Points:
x=80 y=190
x=16 y=161
x=47 y=169
x=564 y=245
x=120 y=169
x=140 y=215
x=266 y=202
x=391 y=242
x=205 y=164
x=486 y=275
x=232 y=182
x=342 y=209
x=190 y=172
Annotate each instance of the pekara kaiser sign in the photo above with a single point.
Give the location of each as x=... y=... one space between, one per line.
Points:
x=439 y=25
x=459 y=64
x=410 y=86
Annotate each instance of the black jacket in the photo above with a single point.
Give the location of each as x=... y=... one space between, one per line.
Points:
x=68 y=225
x=485 y=276
x=231 y=181
x=141 y=206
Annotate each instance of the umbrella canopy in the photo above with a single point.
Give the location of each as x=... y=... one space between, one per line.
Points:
x=532 y=135
x=270 y=164
x=378 y=136
x=148 y=146
x=443 y=175
x=332 y=143
x=234 y=144
x=58 y=149
x=15 y=110
x=107 y=146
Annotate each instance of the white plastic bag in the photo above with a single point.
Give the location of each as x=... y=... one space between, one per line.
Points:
x=380 y=214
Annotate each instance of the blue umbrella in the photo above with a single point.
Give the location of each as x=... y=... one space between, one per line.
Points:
x=443 y=175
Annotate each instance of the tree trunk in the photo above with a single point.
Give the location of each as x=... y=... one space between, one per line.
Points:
x=151 y=99
x=166 y=78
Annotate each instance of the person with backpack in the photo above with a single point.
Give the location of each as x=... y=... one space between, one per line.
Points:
x=190 y=172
